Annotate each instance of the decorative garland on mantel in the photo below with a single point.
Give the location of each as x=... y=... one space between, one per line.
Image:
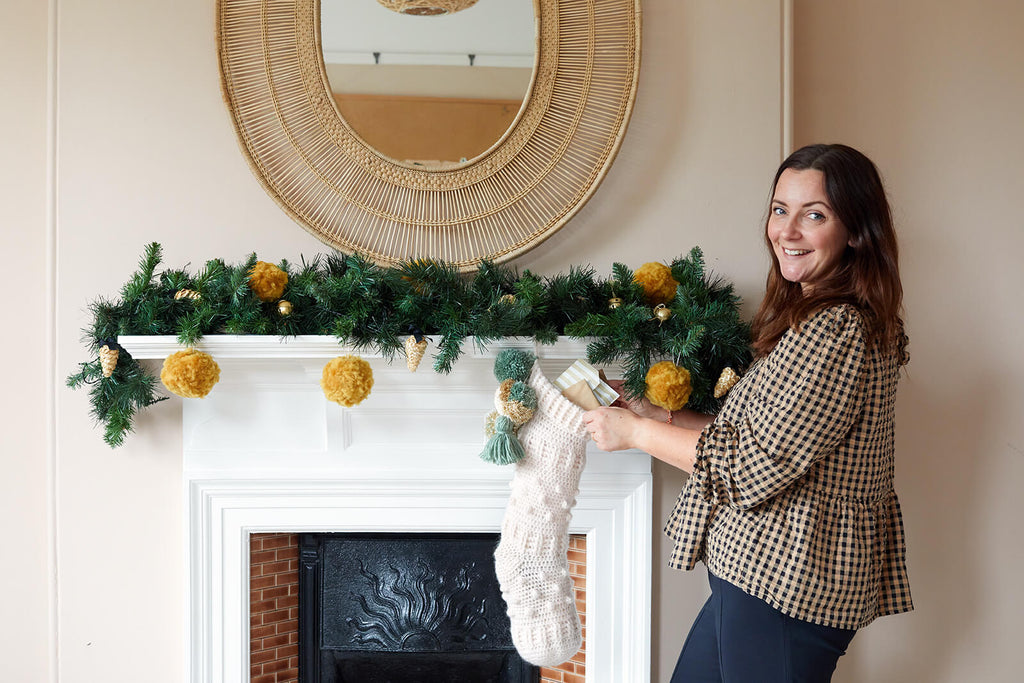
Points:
x=676 y=311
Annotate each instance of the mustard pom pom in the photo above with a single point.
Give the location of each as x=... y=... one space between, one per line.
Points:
x=347 y=380
x=502 y=393
x=190 y=373
x=267 y=280
x=668 y=385
x=518 y=412
x=657 y=281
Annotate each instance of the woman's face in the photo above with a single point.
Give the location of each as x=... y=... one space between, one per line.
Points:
x=807 y=237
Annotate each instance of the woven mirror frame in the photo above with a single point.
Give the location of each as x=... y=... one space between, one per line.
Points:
x=496 y=206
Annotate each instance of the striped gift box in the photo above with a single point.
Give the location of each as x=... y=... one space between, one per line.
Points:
x=582 y=370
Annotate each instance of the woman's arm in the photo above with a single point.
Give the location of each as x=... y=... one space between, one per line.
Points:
x=616 y=429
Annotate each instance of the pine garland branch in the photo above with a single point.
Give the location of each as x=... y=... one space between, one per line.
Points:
x=143 y=278
x=373 y=308
x=115 y=400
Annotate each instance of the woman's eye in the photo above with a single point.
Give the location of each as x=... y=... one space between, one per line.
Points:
x=778 y=211
x=815 y=216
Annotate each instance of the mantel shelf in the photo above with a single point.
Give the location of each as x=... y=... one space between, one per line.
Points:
x=146 y=347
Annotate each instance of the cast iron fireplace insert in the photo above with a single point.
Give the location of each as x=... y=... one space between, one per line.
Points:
x=404 y=608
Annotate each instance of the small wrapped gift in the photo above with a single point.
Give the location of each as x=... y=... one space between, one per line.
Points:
x=581 y=394
x=581 y=370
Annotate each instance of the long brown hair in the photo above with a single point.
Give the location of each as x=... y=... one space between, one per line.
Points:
x=867 y=275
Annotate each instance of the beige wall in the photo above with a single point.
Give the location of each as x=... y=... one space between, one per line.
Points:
x=25 y=502
x=146 y=152
x=934 y=92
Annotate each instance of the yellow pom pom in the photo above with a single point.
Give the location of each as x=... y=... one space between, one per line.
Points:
x=668 y=385
x=267 y=280
x=190 y=373
x=347 y=380
x=657 y=281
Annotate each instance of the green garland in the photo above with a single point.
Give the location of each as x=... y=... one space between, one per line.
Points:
x=374 y=308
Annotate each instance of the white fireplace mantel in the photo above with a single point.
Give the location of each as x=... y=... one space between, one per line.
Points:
x=265 y=451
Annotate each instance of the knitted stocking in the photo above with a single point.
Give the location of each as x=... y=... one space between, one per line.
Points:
x=530 y=561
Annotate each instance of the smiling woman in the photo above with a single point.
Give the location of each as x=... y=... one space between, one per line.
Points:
x=496 y=205
x=807 y=237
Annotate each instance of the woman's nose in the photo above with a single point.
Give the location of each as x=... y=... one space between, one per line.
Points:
x=789 y=227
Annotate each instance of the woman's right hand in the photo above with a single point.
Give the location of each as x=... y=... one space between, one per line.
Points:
x=684 y=417
x=612 y=428
x=640 y=406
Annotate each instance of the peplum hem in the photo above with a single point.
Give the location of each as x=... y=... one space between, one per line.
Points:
x=840 y=562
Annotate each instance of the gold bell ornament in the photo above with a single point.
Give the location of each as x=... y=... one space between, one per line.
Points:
x=662 y=312
x=415 y=347
x=284 y=307
x=614 y=302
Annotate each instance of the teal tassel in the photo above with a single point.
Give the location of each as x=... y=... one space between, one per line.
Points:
x=503 y=448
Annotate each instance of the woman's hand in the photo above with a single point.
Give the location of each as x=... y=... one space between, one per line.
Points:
x=612 y=429
x=641 y=406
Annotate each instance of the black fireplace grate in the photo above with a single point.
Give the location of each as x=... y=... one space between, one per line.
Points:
x=404 y=608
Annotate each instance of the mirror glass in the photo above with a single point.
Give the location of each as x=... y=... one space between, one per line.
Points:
x=429 y=91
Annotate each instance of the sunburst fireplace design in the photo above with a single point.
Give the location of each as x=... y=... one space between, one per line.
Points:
x=266 y=453
x=403 y=607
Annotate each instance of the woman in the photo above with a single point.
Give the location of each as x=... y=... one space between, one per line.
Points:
x=790 y=499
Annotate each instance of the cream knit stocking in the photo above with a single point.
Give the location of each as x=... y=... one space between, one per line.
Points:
x=530 y=561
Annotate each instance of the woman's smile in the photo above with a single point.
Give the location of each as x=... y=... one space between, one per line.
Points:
x=806 y=235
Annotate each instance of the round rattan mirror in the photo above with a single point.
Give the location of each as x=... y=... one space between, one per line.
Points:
x=431 y=92
x=499 y=205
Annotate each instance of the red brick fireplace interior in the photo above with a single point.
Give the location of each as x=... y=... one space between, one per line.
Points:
x=274 y=610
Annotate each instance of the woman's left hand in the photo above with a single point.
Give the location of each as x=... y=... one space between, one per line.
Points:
x=612 y=429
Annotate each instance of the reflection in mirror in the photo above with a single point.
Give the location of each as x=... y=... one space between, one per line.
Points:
x=433 y=91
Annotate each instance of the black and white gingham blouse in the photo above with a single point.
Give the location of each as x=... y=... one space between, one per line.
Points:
x=791 y=497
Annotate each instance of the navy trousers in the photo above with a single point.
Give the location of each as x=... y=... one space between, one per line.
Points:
x=738 y=638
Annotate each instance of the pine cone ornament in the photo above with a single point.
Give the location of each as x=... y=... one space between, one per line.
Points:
x=414 y=350
x=725 y=382
x=108 y=360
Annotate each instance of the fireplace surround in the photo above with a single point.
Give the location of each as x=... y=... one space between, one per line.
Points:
x=265 y=452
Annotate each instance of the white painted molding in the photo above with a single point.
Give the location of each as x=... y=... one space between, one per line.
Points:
x=787 y=76
x=265 y=451
x=614 y=511
x=50 y=337
x=254 y=346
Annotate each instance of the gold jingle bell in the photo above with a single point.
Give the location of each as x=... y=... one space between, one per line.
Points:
x=284 y=307
x=614 y=302
x=662 y=312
